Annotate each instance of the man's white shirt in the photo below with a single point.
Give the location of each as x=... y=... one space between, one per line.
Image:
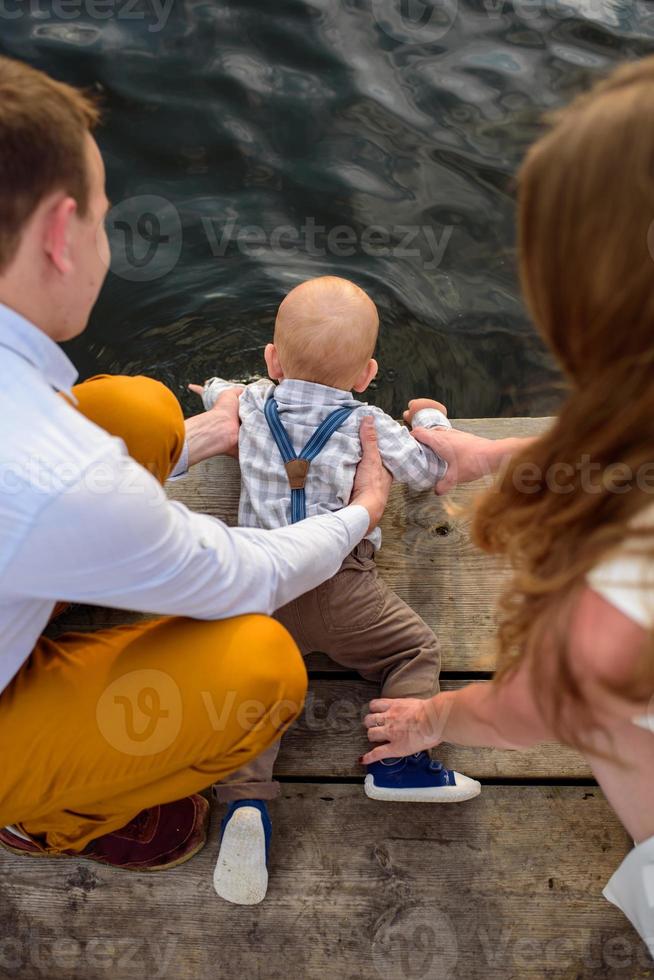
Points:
x=80 y=521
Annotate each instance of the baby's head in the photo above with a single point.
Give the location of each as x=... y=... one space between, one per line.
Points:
x=326 y=331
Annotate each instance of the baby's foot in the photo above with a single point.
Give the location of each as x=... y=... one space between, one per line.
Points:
x=241 y=874
x=418 y=779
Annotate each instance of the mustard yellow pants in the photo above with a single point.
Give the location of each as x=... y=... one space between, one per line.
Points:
x=98 y=726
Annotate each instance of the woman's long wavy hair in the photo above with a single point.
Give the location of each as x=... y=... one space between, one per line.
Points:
x=586 y=241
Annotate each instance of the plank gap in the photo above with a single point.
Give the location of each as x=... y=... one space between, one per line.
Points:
x=569 y=781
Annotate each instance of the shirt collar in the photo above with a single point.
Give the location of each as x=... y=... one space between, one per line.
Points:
x=292 y=392
x=26 y=340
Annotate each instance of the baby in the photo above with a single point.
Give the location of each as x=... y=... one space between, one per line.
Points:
x=299 y=448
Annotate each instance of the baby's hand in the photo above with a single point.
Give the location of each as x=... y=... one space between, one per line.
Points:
x=417 y=405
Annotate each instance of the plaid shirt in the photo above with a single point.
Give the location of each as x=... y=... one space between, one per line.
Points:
x=265 y=493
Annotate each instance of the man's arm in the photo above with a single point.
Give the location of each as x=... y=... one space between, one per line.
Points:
x=212 y=433
x=215 y=431
x=114 y=538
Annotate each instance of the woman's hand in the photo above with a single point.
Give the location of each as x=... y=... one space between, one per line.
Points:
x=214 y=433
x=405 y=725
x=373 y=482
x=468 y=457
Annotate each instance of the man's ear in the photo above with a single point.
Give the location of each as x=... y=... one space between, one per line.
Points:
x=58 y=234
x=368 y=374
x=275 y=372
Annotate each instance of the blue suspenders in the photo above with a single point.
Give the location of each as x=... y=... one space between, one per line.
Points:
x=297 y=465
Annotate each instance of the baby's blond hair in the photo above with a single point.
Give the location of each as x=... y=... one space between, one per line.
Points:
x=326 y=331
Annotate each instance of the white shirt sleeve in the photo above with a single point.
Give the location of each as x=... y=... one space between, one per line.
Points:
x=181 y=468
x=115 y=539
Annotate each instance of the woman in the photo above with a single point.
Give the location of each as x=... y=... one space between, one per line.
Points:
x=574 y=510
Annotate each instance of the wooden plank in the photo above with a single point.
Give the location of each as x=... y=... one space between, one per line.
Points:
x=501 y=888
x=329 y=738
x=427 y=555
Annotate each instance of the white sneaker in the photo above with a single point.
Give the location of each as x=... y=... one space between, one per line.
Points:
x=241 y=874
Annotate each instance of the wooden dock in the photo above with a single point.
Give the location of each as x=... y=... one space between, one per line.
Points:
x=505 y=886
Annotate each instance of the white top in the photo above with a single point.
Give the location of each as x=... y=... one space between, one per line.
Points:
x=626 y=580
x=632 y=889
x=81 y=521
x=626 y=577
x=265 y=492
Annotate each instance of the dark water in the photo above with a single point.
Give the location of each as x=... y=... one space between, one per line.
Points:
x=375 y=139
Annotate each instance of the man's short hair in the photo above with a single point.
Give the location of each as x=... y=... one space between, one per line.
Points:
x=43 y=128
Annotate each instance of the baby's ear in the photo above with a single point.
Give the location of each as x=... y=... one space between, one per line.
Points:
x=271 y=356
x=368 y=374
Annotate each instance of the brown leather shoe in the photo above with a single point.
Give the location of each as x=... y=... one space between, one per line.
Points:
x=156 y=839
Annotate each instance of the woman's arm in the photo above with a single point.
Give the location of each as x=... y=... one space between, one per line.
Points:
x=604 y=650
x=481 y=714
x=468 y=457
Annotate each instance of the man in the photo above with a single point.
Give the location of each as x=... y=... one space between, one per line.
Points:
x=107 y=737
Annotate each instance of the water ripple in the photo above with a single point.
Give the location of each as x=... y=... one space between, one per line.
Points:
x=282 y=132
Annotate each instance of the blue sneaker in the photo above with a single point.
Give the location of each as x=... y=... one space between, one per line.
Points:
x=418 y=779
x=241 y=874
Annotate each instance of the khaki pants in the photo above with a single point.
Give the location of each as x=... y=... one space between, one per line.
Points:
x=364 y=626
x=96 y=727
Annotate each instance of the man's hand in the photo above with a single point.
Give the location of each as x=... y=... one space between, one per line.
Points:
x=214 y=433
x=405 y=726
x=418 y=404
x=373 y=482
